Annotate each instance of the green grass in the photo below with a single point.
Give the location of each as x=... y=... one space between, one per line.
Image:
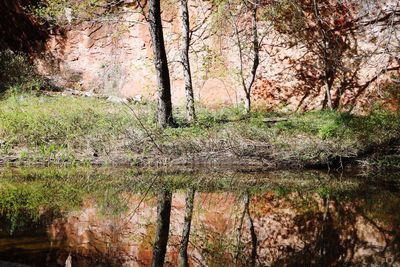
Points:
x=58 y=120
x=62 y=129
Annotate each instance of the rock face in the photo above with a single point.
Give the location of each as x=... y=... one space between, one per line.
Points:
x=114 y=56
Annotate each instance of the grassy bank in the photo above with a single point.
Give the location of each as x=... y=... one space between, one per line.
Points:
x=75 y=130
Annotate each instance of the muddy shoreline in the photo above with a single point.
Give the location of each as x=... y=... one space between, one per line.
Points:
x=220 y=161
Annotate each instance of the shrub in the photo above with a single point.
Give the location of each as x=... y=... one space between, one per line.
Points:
x=16 y=72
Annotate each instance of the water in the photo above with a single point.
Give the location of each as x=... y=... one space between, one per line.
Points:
x=108 y=217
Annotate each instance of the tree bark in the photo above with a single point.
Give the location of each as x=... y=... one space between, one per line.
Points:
x=190 y=109
x=256 y=56
x=247 y=85
x=163 y=218
x=247 y=103
x=328 y=95
x=183 y=257
x=164 y=109
x=328 y=79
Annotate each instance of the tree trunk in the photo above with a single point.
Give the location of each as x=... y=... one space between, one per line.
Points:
x=325 y=60
x=328 y=96
x=256 y=57
x=190 y=110
x=247 y=103
x=183 y=258
x=328 y=88
x=163 y=217
x=164 y=109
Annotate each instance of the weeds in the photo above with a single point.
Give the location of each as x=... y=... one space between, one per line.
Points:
x=61 y=130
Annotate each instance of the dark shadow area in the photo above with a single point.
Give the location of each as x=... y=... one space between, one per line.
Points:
x=18 y=31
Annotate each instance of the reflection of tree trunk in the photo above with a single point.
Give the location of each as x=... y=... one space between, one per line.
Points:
x=246 y=214
x=162 y=231
x=183 y=258
x=322 y=250
x=252 y=231
x=190 y=111
x=164 y=110
x=239 y=237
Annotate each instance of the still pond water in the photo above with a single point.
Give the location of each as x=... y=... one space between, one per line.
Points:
x=116 y=217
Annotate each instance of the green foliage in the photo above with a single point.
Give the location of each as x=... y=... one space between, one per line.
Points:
x=17 y=74
x=285 y=16
x=53 y=11
x=54 y=122
x=61 y=12
x=55 y=129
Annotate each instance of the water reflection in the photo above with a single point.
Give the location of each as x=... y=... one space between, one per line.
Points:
x=164 y=199
x=232 y=219
x=187 y=223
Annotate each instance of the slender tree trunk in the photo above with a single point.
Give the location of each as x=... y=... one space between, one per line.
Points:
x=247 y=80
x=326 y=63
x=328 y=95
x=163 y=217
x=256 y=57
x=190 y=110
x=247 y=103
x=183 y=257
x=164 y=109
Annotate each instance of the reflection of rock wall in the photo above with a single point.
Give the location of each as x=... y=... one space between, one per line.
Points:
x=291 y=231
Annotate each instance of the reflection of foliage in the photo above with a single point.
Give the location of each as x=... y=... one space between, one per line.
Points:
x=25 y=202
x=383 y=208
x=216 y=248
x=37 y=190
